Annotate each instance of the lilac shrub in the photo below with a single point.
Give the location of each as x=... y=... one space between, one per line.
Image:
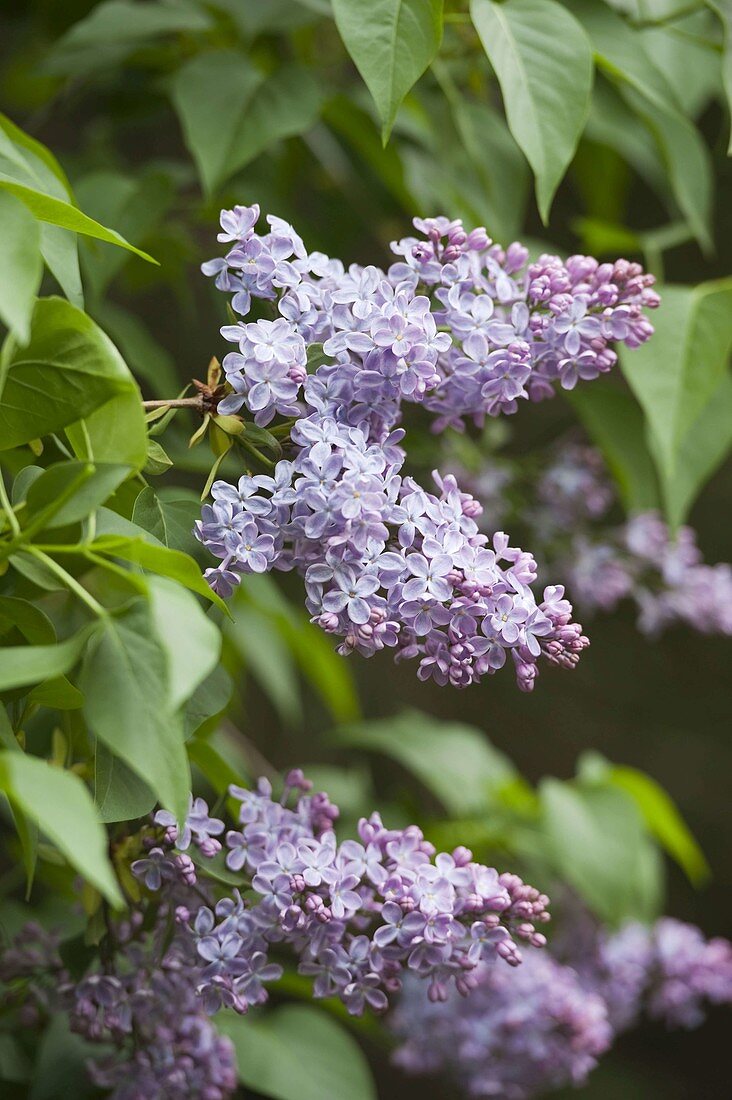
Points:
x=457 y=325
x=355 y=917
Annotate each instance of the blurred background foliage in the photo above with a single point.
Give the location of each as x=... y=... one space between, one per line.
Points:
x=161 y=113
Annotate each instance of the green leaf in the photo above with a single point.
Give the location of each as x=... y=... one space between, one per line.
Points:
x=391 y=43
x=454 y=761
x=126 y=704
x=660 y=814
x=21 y=265
x=26 y=829
x=31 y=621
x=119 y=794
x=115 y=432
x=614 y=420
x=208 y=700
x=319 y=664
x=62 y=807
x=46 y=208
x=267 y=658
x=723 y=8
x=68 y=369
x=134 y=205
x=190 y=640
x=703 y=449
x=620 y=53
x=58 y=694
x=597 y=839
x=171 y=521
x=158 y=559
x=24 y=665
x=61 y=1064
x=502 y=174
x=213 y=766
x=676 y=373
x=144 y=355
x=25 y=160
x=230 y=113
x=543 y=61
x=67 y=492
x=212 y=94
x=157 y=461
x=114 y=29
x=298 y=1053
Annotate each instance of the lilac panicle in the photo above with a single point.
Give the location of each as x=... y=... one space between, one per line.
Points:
x=604 y=562
x=467 y=330
x=520 y=1036
x=517 y=1036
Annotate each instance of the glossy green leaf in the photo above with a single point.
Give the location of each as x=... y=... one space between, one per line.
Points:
x=60 y=804
x=391 y=43
x=134 y=205
x=68 y=369
x=676 y=373
x=327 y=673
x=543 y=61
x=614 y=420
x=124 y=679
x=298 y=1053
x=230 y=113
x=21 y=265
x=454 y=761
x=146 y=358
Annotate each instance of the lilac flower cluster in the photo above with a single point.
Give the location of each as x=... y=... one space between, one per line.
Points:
x=605 y=563
x=515 y=1038
x=668 y=972
x=546 y=1028
x=457 y=325
x=157 y=1043
x=357 y=915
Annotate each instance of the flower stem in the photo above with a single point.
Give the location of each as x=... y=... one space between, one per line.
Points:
x=70 y=582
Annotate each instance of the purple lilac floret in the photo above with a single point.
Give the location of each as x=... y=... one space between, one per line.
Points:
x=457 y=325
x=516 y=1037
